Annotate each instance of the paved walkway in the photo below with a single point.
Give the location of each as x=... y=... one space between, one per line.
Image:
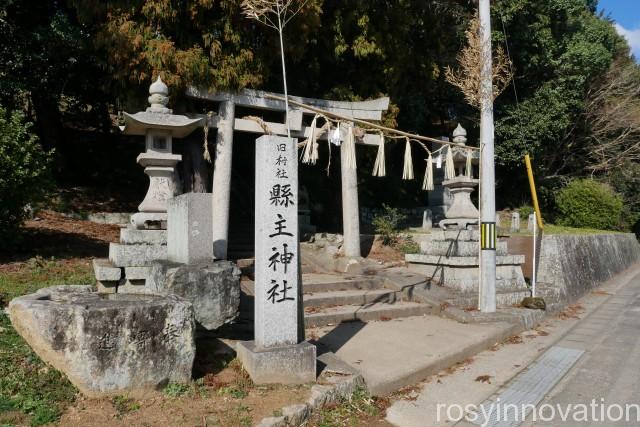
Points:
x=396 y=353
x=609 y=370
x=491 y=370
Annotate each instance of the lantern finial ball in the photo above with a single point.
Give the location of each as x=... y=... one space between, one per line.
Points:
x=159 y=97
x=460 y=135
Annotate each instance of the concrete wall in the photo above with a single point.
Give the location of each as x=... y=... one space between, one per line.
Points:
x=574 y=264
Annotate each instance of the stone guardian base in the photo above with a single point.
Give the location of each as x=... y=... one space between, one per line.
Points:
x=294 y=364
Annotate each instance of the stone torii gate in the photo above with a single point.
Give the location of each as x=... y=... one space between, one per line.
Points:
x=227 y=123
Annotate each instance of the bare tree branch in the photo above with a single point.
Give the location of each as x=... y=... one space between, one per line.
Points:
x=612 y=115
x=467 y=77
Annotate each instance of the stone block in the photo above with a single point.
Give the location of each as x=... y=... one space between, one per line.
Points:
x=213 y=288
x=135 y=255
x=108 y=343
x=132 y=287
x=427 y=220
x=107 y=287
x=190 y=228
x=132 y=236
x=531 y=222
x=292 y=364
x=451 y=248
x=515 y=221
x=105 y=271
x=115 y=218
x=149 y=220
x=137 y=273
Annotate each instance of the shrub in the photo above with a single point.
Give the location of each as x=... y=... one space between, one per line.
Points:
x=24 y=168
x=387 y=224
x=408 y=246
x=525 y=211
x=590 y=204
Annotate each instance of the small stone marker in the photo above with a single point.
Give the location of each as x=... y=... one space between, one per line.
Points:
x=189 y=228
x=515 y=221
x=277 y=355
x=427 y=222
x=531 y=222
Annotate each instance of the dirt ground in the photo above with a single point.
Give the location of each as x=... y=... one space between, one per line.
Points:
x=52 y=234
x=219 y=401
x=384 y=253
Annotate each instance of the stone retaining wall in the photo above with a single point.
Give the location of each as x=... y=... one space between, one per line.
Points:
x=575 y=264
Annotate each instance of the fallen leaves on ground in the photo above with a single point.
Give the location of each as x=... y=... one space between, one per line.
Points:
x=484 y=379
x=514 y=339
x=571 y=312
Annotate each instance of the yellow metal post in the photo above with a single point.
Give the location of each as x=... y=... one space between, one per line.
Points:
x=534 y=195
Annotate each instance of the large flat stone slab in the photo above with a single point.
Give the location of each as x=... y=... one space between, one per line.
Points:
x=212 y=287
x=108 y=343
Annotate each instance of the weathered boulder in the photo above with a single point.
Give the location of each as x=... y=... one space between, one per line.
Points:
x=213 y=287
x=109 y=343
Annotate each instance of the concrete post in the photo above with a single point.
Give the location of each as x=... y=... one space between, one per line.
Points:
x=487 y=292
x=222 y=179
x=350 y=208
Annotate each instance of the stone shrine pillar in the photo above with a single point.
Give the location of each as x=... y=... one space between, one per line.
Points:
x=222 y=179
x=277 y=355
x=350 y=209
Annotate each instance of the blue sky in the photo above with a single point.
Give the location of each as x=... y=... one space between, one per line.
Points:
x=626 y=14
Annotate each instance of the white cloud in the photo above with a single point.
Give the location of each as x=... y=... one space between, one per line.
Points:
x=632 y=36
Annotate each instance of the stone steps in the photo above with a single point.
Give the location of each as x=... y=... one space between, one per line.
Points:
x=331 y=299
x=351 y=297
x=365 y=313
x=315 y=283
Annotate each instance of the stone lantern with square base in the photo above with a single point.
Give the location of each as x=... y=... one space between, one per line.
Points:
x=449 y=256
x=145 y=239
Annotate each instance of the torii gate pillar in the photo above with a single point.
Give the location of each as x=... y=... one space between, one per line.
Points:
x=222 y=179
x=350 y=209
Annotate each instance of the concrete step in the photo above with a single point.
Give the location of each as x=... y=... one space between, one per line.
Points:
x=367 y=313
x=356 y=297
x=314 y=283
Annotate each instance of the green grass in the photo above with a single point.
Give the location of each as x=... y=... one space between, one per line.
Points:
x=39 y=273
x=27 y=385
x=561 y=229
x=32 y=392
x=349 y=412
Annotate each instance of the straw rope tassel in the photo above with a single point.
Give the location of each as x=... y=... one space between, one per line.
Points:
x=427 y=184
x=469 y=167
x=351 y=149
x=307 y=151
x=205 y=145
x=407 y=170
x=449 y=168
x=379 y=168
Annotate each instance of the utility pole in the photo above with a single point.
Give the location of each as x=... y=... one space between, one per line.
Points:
x=488 y=240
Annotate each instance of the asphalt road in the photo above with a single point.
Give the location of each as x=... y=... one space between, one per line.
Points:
x=605 y=383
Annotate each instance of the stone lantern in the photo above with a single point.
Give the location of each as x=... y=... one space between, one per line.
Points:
x=462 y=211
x=145 y=239
x=159 y=126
